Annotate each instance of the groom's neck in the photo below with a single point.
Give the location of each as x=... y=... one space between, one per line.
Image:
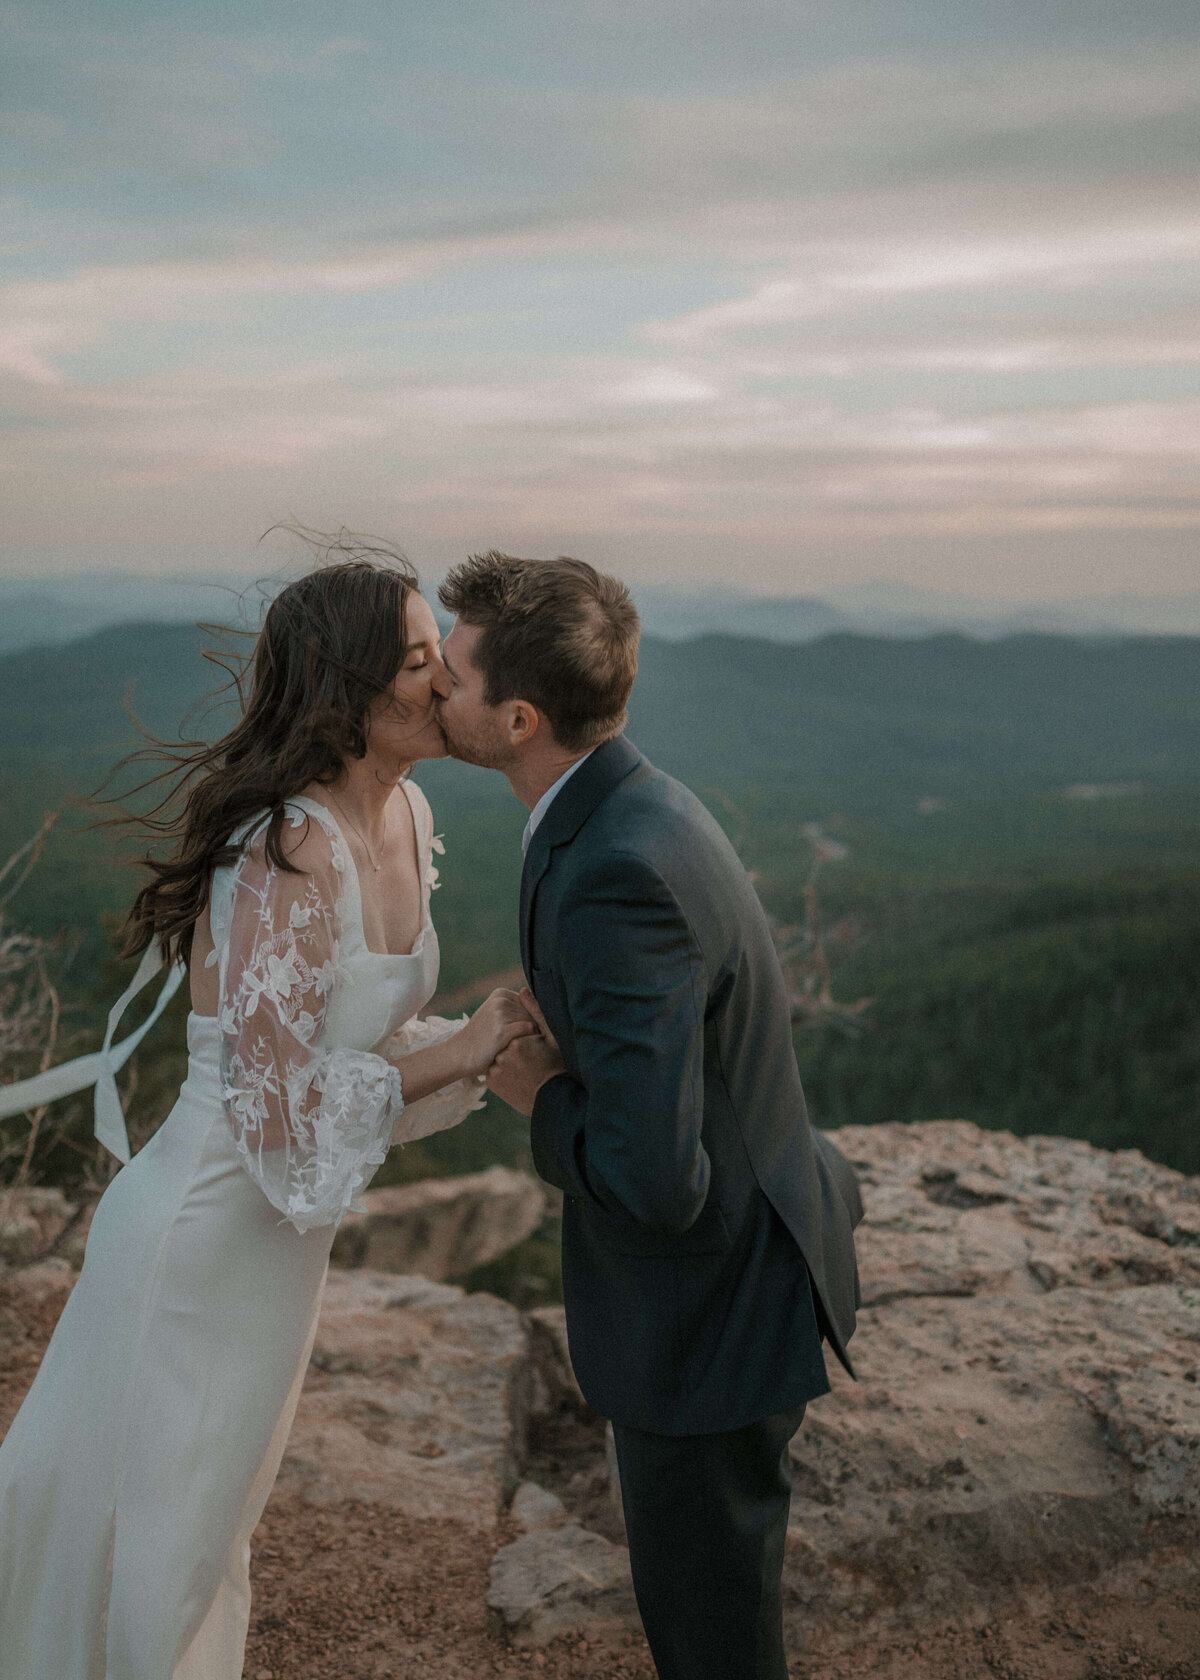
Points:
x=531 y=778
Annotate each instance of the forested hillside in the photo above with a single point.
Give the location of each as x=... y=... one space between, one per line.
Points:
x=1014 y=882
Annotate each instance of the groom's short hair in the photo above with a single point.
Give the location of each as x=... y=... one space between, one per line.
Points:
x=557 y=633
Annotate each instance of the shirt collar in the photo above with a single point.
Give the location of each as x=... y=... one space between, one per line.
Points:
x=547 y=799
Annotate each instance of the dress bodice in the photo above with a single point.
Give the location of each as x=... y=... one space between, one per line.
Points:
x=374 y=992
x=378 y=991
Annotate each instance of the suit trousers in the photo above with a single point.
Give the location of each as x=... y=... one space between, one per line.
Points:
x=706 y=1517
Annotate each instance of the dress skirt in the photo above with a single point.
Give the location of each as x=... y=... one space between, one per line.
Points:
x=138 y=1467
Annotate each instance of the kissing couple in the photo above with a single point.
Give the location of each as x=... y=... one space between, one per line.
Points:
x=707 y=1228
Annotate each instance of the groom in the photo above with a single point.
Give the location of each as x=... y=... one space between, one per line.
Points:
x=707 y=1229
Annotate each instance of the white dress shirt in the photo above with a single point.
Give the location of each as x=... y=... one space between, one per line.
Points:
x=547 y=799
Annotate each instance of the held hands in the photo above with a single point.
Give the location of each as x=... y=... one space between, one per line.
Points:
x=500 y=1020
x=524 y=1065
x=507 y=1040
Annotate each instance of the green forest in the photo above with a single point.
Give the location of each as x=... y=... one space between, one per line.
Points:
x=1009 y=884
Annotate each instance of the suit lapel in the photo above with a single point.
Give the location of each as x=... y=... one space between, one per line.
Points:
x=536 y=859
x=591 y=783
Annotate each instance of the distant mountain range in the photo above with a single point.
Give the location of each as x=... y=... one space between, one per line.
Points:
x=56 y=609
x=40 y=612
x=858 y=720
x=898 y=610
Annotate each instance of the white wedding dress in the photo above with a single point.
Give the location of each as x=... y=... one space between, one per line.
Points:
x=139 y=1465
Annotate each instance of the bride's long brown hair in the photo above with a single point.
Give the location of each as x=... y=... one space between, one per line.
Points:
x=330 y=644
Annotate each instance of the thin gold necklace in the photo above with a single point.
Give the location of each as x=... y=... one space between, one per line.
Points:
x=370 y=859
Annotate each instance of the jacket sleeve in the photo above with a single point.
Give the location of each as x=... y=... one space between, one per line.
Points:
x=622 y=1130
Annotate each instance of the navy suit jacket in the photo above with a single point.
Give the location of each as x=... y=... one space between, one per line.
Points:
x=707 y=1228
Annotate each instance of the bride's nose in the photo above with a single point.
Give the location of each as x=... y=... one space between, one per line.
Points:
x=439 y=677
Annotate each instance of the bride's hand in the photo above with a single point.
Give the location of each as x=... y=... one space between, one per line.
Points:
x=500 y=1019
x=520 y=1071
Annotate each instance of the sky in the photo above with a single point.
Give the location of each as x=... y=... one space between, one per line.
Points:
x=785 y=295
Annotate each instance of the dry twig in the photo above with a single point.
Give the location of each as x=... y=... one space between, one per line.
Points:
x=802 y=947
x=30 y=1013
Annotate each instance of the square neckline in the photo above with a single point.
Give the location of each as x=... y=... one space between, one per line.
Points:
x=327 y=819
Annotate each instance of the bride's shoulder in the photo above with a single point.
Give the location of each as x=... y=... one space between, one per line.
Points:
x=427 y=842
x=308 y=836
x=421 y=809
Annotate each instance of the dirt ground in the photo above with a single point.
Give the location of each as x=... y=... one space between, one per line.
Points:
x=345 y=1592
x=342 y=1595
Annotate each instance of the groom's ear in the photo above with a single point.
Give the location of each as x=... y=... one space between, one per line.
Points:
x=524 y=721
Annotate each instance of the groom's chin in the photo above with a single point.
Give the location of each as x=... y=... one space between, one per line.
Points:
x=466 y=755
x=468 y=752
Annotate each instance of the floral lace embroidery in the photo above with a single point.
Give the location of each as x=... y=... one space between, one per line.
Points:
x=311 y=1124
x=431 y=874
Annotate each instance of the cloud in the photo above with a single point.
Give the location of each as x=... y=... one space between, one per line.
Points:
x=879 y=122
x=839 y=277
x=798 y=301
x=994 y=357
x=40 y=319
x=661 y=386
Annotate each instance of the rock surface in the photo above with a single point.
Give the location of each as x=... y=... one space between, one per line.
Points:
x=31 y=1300
x=35 y=1223
x=954 y=1211
x=554 y=1385
x=1028 y=1409
x=561 y=1581
x=441 y=1227
x=535 y=1509
x=1011 y=1487
x=416 y=1400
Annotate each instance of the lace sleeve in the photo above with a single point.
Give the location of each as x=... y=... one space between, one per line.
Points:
x=311 y=1125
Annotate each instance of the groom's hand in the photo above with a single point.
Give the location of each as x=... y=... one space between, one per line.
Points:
x=520 y=1071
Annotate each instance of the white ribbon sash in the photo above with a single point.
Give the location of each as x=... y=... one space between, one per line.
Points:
x=101 y=1067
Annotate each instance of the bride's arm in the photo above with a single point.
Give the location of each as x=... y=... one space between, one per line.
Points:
x=312 y=1124
x=467 y=1050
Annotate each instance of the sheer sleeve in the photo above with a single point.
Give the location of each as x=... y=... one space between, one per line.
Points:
x=311 y=1124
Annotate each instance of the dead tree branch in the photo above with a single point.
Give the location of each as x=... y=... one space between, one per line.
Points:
x=802 y=947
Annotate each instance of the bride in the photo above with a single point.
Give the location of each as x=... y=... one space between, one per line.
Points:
x=297 y=894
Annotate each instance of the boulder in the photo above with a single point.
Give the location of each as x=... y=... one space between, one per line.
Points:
x=31 y=1299
x=535 y=1509
x=562 y=1581
x=1028 y=1409
x=554 y=1384
x=31 y=1223
x=955 y=1211
x=441 y=1227
x=416 y=1399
